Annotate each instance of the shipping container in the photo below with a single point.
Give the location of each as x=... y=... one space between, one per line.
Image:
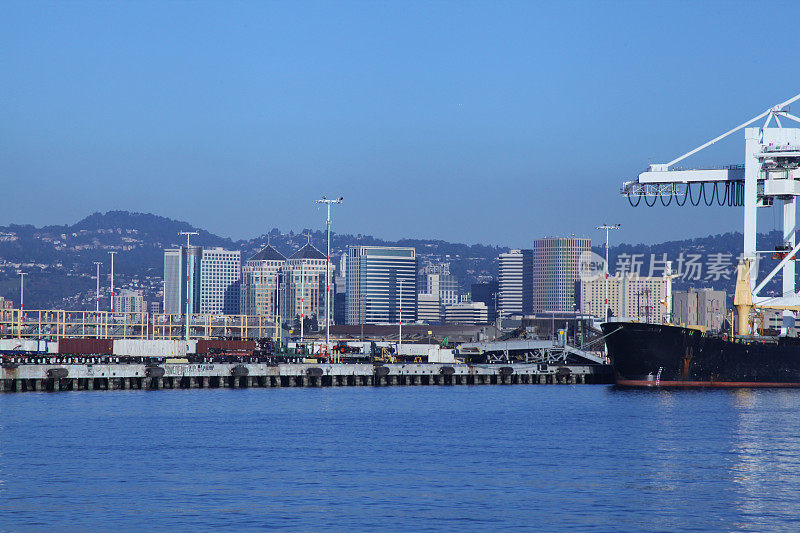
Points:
x=23 y=345
x=149 y=348
x=86 y=346
x=219 y=346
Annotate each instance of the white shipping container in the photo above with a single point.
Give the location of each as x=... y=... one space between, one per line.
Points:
x=441 y=355
x=433 y=352
x=25 y=345
x=416 y=349
x=150 y=348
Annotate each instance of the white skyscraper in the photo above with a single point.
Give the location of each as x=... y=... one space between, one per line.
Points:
x=220 y=272
x=510 y=286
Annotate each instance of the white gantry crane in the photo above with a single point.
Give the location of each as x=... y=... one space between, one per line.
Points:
x=771 y=171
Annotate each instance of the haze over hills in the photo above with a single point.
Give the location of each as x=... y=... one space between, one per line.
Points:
x=59 y=259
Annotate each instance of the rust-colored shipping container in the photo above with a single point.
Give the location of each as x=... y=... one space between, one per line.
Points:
x=86 y=346
x=217 y=346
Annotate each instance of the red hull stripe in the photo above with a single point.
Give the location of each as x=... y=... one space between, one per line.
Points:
x=720 y=384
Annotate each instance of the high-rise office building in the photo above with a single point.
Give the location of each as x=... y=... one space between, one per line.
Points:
x=182 y=272
x=381 y=281
x=259 y=287
x=486 y=293
x=527 y=282
x=339 y=300
x=555 y=272
x=304 y=285
x=220 y=274
x=510 y=283
x=212 y=276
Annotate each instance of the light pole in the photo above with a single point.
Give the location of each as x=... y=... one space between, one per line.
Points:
x=97 y=290
x=21 y=292
x=400 y=332
x=327 y=202
x=188 y=235
x=112 y=281
x=277 y=309
x=21 y=300
x=303 y=298
x=607 y=227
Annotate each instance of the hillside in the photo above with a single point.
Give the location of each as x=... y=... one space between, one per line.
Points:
x=59 y=259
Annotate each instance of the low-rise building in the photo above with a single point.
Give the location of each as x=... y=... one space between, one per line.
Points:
x=467 y=313
x=428 y=308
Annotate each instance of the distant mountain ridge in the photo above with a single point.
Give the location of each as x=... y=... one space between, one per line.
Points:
x=59 y=258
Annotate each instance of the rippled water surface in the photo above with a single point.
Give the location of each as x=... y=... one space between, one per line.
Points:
x=402 y=458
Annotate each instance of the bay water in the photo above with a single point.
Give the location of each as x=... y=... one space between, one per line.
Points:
x=433 y=458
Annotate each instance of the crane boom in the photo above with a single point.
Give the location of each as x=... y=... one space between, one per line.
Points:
x=771 y=172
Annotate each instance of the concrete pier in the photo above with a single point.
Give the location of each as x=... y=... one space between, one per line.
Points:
x=76 y=377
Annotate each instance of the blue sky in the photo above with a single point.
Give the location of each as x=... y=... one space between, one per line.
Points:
x=493 y=122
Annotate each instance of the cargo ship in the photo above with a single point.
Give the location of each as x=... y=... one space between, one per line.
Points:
x=662 y=355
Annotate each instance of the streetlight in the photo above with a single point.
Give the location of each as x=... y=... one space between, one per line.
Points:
x=400 y=332
x=327 y=202
x=22 y=292
x=188 y=234
x=97 y=290
x=112 y=281
x=21 y=300
x=303 y=297
x=278 y=279
x=607 y=227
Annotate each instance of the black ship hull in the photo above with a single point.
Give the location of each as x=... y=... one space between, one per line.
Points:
x=657 y=355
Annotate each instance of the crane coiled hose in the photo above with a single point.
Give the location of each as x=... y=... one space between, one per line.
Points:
x=732 y=196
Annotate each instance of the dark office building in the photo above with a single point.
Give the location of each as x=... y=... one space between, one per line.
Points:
x=339 y=300
x=527 y=282
x=486 y=293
